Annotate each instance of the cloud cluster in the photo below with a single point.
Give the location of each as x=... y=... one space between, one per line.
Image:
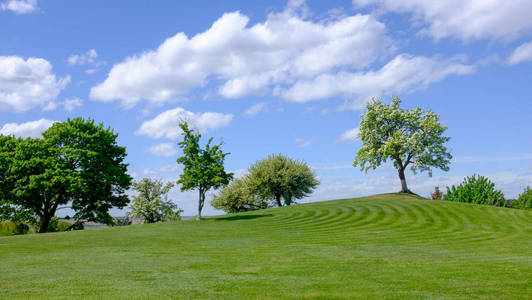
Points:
x=26 y=84
x=163 y=149
x=404 y=73
x=259 y=59
x=349 y=136
x=256 y=109
x=19 y=7
x=166 y=123
x=463 y=19
x=523 y=53
x=33 y=129
x=88 y=57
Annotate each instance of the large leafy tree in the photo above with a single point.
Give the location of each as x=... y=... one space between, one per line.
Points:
x=77 y=163
x=407 y=137
x=203 y=168
x=278 y=177
x=151 y=204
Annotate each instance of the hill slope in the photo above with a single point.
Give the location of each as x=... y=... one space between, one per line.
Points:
x=384 y=246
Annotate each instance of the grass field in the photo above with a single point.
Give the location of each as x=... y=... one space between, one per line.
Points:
x=383 y=247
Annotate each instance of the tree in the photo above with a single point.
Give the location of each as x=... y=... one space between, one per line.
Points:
x=277 y=177
x=476 y=189
x=203 y=168
x=152 y=204
x=77 y=163
x=407 y=137
x=237 y=197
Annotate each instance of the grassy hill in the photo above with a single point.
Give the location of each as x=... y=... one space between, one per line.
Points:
x=384 y=246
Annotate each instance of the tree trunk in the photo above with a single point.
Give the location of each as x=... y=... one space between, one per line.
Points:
x=45 y=220
x=278 y=199
x=200 y=203
x=404 y=188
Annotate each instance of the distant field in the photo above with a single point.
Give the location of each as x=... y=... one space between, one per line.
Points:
x=381 y=247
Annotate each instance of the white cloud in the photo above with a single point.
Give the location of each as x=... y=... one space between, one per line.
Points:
x=521 y=54
x=20 y=7
x=246 y=59
x=162 y=169
x=350 y=135
x=32 y=129
x=166 y=123
x=255 y=109
x=403 y=74
x=163 y=149
x=26 y=84
x=463 y=19
x=71 y=104
x=88 y=57
x=303 y=143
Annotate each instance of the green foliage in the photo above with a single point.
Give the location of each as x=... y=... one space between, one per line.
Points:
x=475 y=189
x=524 y=201
x=76 y=162
x=238 y=197
x=203 y=169
x=63 y=226
x=125 y=221
x=53 y=225
x=78 y=225
x=151 y=204
x=277 y=177
x=407 y=137
x=21 y=228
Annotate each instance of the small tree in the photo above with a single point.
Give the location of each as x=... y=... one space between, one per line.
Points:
x=407 y=137
x=76 y=162
x=524 y=201
x=152 y=204
x=203 y=168
x=476 y=189
x=237 y=197
x=279 y=177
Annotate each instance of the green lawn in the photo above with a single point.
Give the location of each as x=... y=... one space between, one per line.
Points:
x=383 y=247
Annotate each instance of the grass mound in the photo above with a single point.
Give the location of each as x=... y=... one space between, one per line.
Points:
x=384 y=246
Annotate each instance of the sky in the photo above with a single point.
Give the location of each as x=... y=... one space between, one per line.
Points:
x=266 y=77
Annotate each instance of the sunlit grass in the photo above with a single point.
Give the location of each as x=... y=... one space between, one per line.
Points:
x=385 y=246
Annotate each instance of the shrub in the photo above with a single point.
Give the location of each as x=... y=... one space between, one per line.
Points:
x=524 y=201
x=64 y=226
x=78 y=225
x=122 y=221
x=476 y=189
x=437 y=195
x=7 y=227
x=21 y=228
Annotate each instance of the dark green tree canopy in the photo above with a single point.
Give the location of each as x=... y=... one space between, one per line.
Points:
x=203 y=169
x=76 y=162
x=408 y=137
x=278 y=177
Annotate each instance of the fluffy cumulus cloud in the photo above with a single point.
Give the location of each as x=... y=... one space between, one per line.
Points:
x=32 y=129
x=521 y=54
x=166 y=123
x=26 y=84
x=163 y=149
x=402 y=74
x=247 y=59
x=463 y=19
x=349 y=136
x=19 y=7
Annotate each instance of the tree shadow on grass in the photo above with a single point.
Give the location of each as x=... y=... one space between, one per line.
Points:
x=242 y=217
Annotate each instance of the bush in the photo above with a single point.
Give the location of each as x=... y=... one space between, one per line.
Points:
x=64 y=226
x=21 y=228
x=122 y=221
x=437 y=195
x=524 y=201
x=476 y=189
x=78 y=225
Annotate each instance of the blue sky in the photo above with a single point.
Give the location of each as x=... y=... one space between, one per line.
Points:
x=276 y=77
